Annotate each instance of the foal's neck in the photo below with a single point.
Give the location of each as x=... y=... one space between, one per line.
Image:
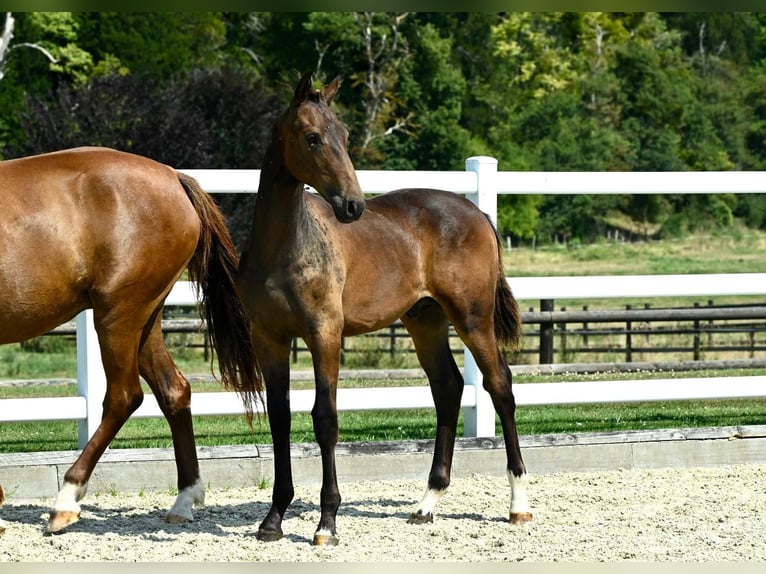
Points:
x=280 y=207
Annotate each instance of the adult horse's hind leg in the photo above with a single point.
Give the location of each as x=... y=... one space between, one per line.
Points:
x=119 y=353
x=2 y=499
x=173 y=394
x=429 y=329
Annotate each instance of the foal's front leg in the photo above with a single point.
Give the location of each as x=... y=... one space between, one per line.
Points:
x=325 y=352
x=276 y=374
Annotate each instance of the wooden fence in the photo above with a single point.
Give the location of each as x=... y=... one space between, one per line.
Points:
x=481 y=182
x=709 y=332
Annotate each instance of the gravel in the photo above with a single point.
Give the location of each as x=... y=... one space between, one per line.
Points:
x=674 y=515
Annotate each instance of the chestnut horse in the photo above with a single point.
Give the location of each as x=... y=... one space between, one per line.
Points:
x=2 y=500
x=107 y=230
x=322 y=268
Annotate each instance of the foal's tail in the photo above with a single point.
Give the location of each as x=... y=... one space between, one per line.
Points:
x=507 y=315
x=212 y=268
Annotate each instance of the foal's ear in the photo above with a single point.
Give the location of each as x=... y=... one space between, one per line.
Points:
x=304 y=88
x=331 y=90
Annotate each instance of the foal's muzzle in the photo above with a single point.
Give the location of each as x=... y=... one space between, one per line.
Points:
x=347 y=210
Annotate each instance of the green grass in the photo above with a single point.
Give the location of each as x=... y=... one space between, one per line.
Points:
x=390 y=425
x=736 y=250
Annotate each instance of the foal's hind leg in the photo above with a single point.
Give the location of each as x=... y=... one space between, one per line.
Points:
x=173 y=395
x=119 y=353
x=429 y=330
x=481 y=341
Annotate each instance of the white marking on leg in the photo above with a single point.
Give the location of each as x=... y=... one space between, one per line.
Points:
x=519 y=500
x=190 y=496
x=429 y=501
x=324 y=537
x=68 y=497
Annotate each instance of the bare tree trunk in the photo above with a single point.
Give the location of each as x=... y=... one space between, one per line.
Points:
x=385 y=55
x=5 y=44
x=5 y=41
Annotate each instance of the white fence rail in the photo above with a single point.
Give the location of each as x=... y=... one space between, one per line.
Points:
x=481 y=182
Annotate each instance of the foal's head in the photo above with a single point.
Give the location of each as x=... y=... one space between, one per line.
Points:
x=315 y=151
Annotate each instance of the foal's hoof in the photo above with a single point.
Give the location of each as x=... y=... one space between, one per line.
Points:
x=420 y=518
x=60 y=519
x=325 y=539
x=520 y=517
x=268 y=534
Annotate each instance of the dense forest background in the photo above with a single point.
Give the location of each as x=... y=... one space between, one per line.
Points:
x=539 y=91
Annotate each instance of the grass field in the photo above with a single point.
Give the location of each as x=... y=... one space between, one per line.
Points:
x=736 y=251
x=404 y=424
x=733 y=251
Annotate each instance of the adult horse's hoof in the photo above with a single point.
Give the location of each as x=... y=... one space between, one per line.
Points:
x=420 y=518
x=268 y=534
x=520 y=517
x=325 y=539
x=181 y=512
x=173 y=518
x=60 y=519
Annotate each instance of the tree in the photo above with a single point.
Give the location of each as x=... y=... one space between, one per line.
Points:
x=53 y=56
x=432 y=88
x=6 y=47
x=376 y=50
x=215 y=118
x=160 y=44
x=539 y=91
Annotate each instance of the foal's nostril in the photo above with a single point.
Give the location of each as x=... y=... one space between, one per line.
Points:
x=354 y=208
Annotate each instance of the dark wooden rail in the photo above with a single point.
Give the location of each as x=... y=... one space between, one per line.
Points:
x=578 y=332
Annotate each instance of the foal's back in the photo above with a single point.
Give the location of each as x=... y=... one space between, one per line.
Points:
x=408 y=245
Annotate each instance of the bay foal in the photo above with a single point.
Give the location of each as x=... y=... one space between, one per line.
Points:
x=322 y=267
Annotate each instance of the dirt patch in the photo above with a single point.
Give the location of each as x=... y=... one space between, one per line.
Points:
x=702 y=514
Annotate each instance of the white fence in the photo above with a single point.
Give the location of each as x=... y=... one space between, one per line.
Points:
x=481 y=182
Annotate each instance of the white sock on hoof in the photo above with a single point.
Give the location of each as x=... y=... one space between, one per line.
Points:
x=190 y=496
x=69 y=496
x=429 y=501
x=519 y=500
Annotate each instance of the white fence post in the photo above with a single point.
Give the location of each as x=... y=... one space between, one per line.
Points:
x=480 y=420
x=91 y=378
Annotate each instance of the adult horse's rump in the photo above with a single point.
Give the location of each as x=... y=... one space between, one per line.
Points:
x=107 y=230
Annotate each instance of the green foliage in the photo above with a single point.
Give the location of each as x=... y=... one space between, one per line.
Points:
x=58 y=33
x=543 y=91
x=160 y=44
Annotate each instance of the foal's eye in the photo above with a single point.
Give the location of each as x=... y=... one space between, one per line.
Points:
x=313 y=139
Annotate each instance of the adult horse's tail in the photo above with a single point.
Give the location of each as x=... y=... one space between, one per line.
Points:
x=212 y=268
x=507 y=315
